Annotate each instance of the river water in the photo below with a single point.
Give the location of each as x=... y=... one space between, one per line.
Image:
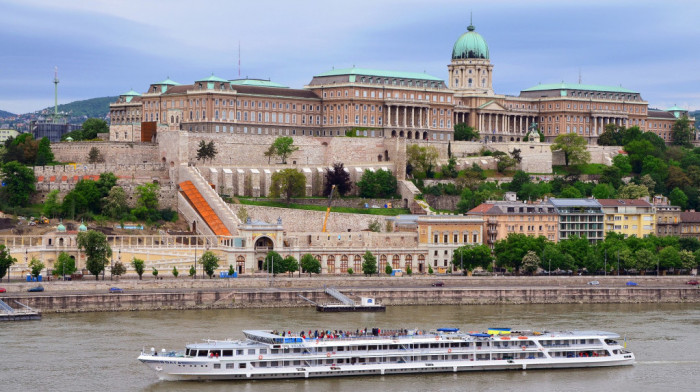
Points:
x=97 y=351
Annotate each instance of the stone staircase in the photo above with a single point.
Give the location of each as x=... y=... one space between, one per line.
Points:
x=221 y=209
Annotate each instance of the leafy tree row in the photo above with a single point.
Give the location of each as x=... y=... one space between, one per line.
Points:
x=578 y=254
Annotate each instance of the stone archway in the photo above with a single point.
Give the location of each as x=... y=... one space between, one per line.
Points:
x=264 y=244
x=425 y=135
x=401 y=134
x=393 y=133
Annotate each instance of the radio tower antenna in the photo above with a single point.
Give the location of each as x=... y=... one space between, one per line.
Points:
x=55 y=92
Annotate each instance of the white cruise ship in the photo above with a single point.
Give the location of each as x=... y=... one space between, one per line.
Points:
x=272 y=354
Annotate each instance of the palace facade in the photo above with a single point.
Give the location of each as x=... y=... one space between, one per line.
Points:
x=375 y=103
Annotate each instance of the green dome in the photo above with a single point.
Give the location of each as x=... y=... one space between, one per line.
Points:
x=82 y=227
x=471 y=45
x=61 y=228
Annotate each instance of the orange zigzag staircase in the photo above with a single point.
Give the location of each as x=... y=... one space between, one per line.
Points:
x=205 y=211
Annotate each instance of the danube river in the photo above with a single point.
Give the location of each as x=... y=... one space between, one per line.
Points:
x=97 y=351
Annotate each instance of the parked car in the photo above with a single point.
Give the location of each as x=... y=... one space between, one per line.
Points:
x=631 y=283
x=594 y=283
x=36 y=289
x=2 y=290
x=439 y=283
x=690 y=282
x=116 y=290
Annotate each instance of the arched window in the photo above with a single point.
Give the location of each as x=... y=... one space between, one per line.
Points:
x=330 y=262
x=396 y=262
x=408 y=262
x=357 y=263
x=382 y=263
x=344 y=263
x=470 y=82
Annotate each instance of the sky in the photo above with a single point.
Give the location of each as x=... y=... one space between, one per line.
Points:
x=107 y=47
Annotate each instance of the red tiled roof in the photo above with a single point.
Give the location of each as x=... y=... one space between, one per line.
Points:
x=624 y=202
x=480 y=209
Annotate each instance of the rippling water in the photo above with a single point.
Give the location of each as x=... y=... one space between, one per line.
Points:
x=97 y=351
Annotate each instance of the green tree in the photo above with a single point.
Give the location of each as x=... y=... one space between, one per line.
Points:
x=611 y=175
x=231 y=270
x=36 y=266
x=682 y=132
x=209 y=262
x=377 y=184
x=612 y=136
x=114 y=204
x=118 y=269
x=570 y=192
x=310 y=264
x=270 y=153
x=139 y=266
x=274 y=262
x=284 y=147
x=97 y=250
x=73 y=203
x=511 y=250
x=632 y=191
x=504 y=162
x=677 y=178
x=147 y=196
x=604 y=191
x=669 y=258
x=95 y=156
x=44 y=155
x=175 y=272
x=469 y=257
x=678 y=198
x=91 y=127
x=520 y=178
x=65 y=265
x=89 y=191
x=422 y=158
x=20 y=184
x=645 y=259
x=154 y=273
x=339 y=177
x=574 y=148
x=288 y=183
x=622 y=162
x=105 y=183
x=290 y=264
x=6 y=260
x=688 y=260
x=387 y=269
x=51 y=207
x=206 y=151
x=465 y=132
x=530 y=263
x=369 y=263
x=192 y=272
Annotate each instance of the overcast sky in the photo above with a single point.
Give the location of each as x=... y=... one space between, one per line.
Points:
x=106 y=47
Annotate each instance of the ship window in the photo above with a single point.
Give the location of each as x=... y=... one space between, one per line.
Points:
x=229 y=366
x=187 y=352
x=240 y=365
x=251 y=351
x=217 y=366
x=240 y=352
x=263 y=351
x=202 y=353
x=228 y=353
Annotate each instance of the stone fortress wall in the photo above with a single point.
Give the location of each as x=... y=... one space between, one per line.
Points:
x=116 y=153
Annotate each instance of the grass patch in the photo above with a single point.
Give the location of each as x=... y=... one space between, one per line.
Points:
x=349 y=210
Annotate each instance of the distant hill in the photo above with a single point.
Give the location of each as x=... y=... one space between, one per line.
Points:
x=94 y=107
x=4 y=114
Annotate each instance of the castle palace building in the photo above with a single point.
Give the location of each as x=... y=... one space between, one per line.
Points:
x=376 y=103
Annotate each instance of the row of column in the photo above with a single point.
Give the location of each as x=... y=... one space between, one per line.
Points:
x=599 y=123
x=492 y=123
x=400 y=118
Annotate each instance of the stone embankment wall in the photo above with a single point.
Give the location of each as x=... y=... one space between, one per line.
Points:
x=113 y=152
x=305 y=221
x=236 y=293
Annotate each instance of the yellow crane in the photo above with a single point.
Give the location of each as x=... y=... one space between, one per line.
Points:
x=328 y=210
